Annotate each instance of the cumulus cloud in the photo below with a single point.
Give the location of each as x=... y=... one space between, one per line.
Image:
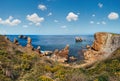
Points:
x=34 y=18
x=42 y=7
x=91 y=22
x=93 y=15
x=72 y=16
x=49 y=14
x=98 y=23
x=10 y=21
x=100 y=5
x=63 y=26
x=113 y=16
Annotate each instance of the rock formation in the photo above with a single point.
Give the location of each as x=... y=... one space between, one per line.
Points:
x=88 y=47
x=62 y=55
x=104 y=45
x=29 y=45
x=78 y=39
x=22 y=37
x=16 y=41
x=38 y=50
x=72 y=59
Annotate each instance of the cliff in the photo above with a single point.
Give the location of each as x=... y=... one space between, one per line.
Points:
x=103 y=47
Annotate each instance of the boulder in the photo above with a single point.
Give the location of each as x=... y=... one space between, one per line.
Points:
x=72 y=59
x=88 y=47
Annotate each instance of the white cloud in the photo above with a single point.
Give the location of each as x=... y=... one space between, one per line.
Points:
x=63 y=26
x=98 y=23
x=37 y=24
x=10 y=21
x=103 y=22
x=113 y=16
x=91 y=22
x=34 y=18
x=100 y=5
x=71 y=16
x=49 y=14
x=93 y=15
x=25 y=26
x=42 y=7
x=56 y=21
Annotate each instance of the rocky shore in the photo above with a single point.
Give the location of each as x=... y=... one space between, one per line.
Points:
x=103 y=47
x=57 y=55
x=18 y=63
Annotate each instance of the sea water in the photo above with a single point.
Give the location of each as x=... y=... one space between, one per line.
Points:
x=52 y=42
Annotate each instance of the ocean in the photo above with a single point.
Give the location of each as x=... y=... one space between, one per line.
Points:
x=52 y=42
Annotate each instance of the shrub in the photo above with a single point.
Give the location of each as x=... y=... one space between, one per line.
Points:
x=103 y=78
x=44 y=78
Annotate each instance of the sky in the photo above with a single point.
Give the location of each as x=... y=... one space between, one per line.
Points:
x=59 y=17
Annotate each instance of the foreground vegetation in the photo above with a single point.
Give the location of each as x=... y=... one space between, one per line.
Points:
x=21 y=66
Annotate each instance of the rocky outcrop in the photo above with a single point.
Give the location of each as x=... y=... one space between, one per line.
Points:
x=88 y=46
x=62 y=55
x=78 y=39
x=72 y=59
x=22 y=37
x=16 y=41
x=38 y=50
x=29 y=45
x=104 y=45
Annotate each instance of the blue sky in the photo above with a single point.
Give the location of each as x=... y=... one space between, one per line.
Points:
x=59 y=17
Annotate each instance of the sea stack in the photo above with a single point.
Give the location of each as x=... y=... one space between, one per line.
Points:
x=62 y=55
x=78 y=39
x=29 y=45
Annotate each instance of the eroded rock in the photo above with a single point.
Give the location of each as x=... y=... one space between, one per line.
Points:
x=100 y=40
x=104 y=45
x=29 y=45
x=16 y=41
x=62 y=55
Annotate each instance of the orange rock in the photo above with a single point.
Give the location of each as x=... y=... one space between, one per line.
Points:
x=29 y=45
x=100 y=40
x=62 y=55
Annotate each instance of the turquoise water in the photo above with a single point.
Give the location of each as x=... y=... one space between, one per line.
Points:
x=52 y=42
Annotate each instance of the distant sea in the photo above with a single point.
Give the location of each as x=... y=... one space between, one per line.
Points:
x=52 y=42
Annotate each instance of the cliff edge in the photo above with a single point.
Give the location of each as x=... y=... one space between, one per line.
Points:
x=103 y=47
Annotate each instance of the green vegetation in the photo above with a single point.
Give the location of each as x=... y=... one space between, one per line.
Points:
x=19 y=66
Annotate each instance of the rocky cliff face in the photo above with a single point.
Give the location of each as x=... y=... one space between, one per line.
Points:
x=103 y=47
